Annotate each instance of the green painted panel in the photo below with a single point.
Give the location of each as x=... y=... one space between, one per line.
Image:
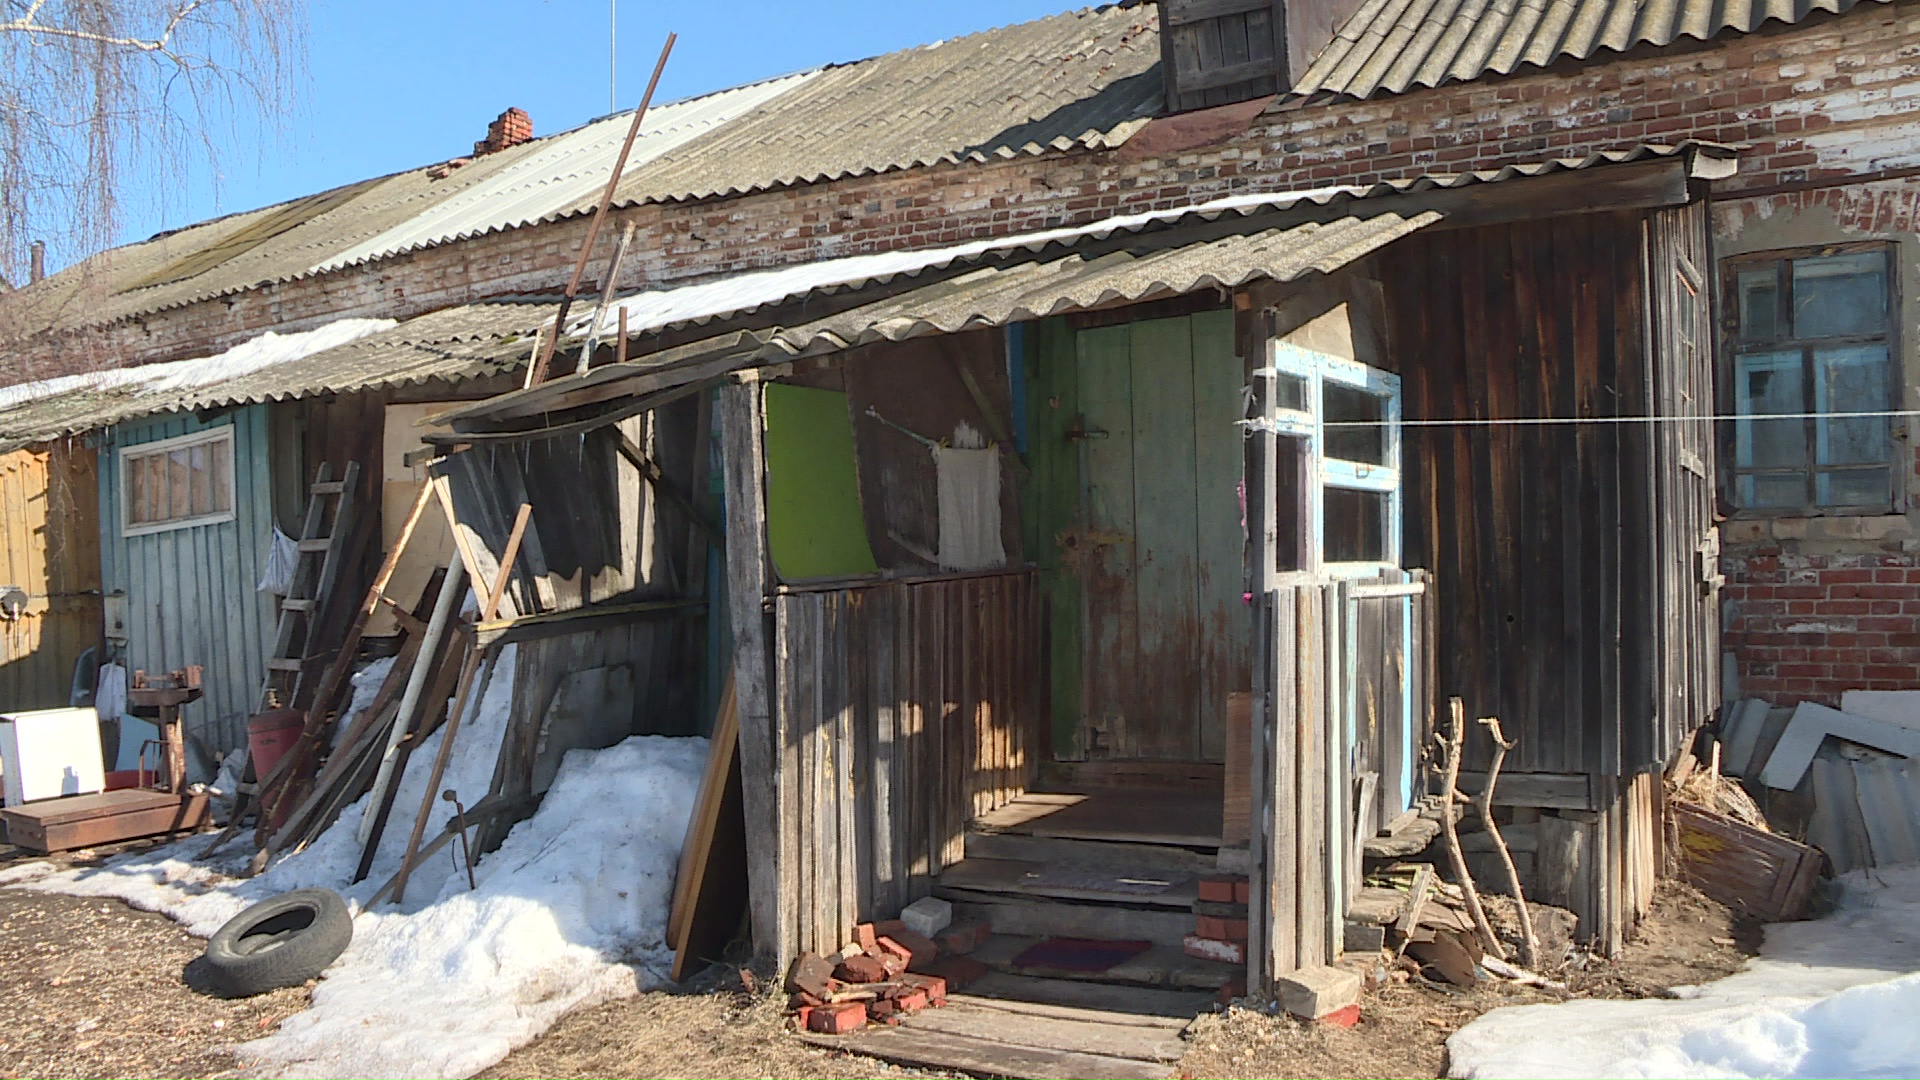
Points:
x=1162 y=719
x=1107 y=551
x=1051 y=511
x=1225 y=639
x=815 y=528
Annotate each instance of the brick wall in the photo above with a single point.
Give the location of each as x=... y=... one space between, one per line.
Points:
x=1825 y=98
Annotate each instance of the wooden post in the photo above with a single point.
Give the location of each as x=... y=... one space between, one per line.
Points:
x=743 y=445
x=1263 y=529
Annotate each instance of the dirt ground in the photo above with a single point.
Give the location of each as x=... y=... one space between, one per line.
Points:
x=93 y=988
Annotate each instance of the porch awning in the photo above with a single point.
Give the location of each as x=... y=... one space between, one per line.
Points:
x=990 y=296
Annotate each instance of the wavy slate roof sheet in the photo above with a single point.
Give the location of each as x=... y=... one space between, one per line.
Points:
x=1082 y=79
x=1393 y=46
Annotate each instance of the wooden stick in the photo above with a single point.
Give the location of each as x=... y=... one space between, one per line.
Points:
x=506 y=561
x=1530 y=945
x=537 y=374
x=1453 y=743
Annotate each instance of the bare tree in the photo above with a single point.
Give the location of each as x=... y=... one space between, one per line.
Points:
x=109 y=104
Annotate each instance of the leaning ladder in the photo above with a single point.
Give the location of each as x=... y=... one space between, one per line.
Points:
x=321 y=547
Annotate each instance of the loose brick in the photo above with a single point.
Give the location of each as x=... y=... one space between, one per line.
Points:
x=892 y=956
x=1233 y=988
x=810 y=974
x=837 y=1019
x=865 y=936
x=912 y=1001
x=1344 y=1017
x=861 y=969
x=1227 y=952
x=1211 y=926
x=1218 y=888
x=921 y=950
x=962 y=938
x=1243 y=892
x=933 y=986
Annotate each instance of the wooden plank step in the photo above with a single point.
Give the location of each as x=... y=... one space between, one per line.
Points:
x=1177 y=818
x=295 y=604
x=318 y=543
x=82 y=807
x=282 y=663
x=328 y=487
x=1172 y=1009
x=1074 y=881
x=1376 y=905
x=1410 y=837
x=925 y=1048
x=1032 y=916
x=1009 y=845
x=1091 y=1032
x=1162 y=966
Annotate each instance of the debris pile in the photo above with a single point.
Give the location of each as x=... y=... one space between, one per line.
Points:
x=890 y=969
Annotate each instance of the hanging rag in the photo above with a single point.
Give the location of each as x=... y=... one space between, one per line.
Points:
x=282 y=555
x=969 y=484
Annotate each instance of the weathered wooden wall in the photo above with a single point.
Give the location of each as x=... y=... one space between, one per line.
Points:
x=1539 y=534
x=902 y=710
x=50 y=548
x=192 y=593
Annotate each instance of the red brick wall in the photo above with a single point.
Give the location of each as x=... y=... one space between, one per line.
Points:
x=1807 y=627
x=1820 y=99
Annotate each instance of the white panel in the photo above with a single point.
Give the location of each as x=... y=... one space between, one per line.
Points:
x=51 y=753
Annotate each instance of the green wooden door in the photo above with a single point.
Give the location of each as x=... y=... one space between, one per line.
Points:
x=1154 y=544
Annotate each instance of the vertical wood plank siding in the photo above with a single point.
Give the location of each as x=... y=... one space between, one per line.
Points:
x=904 y=710
x=1539 y=535
x=191 y=593
x=49 y=548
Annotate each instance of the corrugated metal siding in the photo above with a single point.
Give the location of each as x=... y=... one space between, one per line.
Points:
x=1400 y=45
x=50 y=548
x=190 y=592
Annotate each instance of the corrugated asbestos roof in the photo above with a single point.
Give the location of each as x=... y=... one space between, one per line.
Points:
x=565 y=171
x=453 y=344
x=1086 y=79
x=1393 y=46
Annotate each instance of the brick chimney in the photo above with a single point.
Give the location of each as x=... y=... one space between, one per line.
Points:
x=1276 y=41
x=512 y=128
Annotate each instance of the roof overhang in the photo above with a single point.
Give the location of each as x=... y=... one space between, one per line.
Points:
x=1222 y=244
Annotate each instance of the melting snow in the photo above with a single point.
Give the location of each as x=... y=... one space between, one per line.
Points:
x=570 y=910
x=1832 y=997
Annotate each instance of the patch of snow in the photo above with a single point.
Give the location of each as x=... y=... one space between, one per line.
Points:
x=1831 y=997
x=571 y=909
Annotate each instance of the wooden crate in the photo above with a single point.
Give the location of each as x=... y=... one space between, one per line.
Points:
x=1760 y=873
x=90 y=820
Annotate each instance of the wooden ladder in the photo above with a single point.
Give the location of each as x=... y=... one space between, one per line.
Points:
x=320 y=546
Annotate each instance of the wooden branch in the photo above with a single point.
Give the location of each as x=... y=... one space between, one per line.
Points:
x=1529 y=944
x=1454 y=742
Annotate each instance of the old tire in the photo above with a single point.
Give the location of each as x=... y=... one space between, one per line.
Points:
x=279 y=942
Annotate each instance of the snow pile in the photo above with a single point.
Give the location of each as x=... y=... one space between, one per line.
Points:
x=1833 y=997
x=571 y=909
x=254 y=354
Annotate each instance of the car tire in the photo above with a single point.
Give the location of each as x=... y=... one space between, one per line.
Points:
x=279 y=942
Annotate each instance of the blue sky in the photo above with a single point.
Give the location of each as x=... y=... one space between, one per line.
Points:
x=396 y=84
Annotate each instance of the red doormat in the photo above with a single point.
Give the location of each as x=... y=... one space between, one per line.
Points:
x=1079 y=954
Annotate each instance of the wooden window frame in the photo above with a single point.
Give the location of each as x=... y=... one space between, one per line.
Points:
x=1732 y=345
x=139 y=451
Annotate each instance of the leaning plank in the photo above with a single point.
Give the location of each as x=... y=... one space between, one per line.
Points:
x=1762 y=874
x=978 y=1057
x=693 y=850
x=1810 y=726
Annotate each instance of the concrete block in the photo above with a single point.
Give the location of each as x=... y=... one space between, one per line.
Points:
x=928 y=916
x=1314 y=992
x=1365 y=937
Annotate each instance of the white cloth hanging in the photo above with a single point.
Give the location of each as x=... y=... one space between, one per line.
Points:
x=969 y=482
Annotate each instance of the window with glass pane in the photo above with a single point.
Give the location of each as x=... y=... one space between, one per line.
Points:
x=178 y=482
x=1812 y=346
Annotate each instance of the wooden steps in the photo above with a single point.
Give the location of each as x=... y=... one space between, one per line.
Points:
x=1040 y=918
x=1072 y=880
x=1162 y=966
x=1176 y=818
x=1167 y=1008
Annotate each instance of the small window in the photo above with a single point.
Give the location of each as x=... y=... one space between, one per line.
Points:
x=1812 y=342
x=177 y=483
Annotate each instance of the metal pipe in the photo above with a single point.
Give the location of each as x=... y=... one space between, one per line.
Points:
x=451 y=589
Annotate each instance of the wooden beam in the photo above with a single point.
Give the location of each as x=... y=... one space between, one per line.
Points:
x=1558 y=791
x=552 y=624
x=1187 y=12
x=743 y=449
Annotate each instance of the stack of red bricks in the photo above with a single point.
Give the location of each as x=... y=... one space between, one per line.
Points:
x=887 y=972
x=1220 y=919
x=512 y=128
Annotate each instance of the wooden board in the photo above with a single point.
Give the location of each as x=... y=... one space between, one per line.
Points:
x=1768 y=876
x=980 y=1057
x=1081 y=1031
x=1164 y=966
x=709 y=892
x=108 y=818
x=1183 y=818
x=1071 y=997
x=1070 y=881
x=1040 y=917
